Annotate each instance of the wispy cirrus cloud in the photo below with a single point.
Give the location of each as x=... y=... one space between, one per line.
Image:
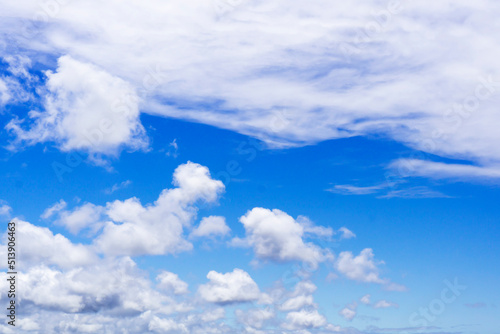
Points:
x=388 y=190
x=299 y=79
x=118 y=186
x=415 y=192
x=440 y=170
x=347 y=189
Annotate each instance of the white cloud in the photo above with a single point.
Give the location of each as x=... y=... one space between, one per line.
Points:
x=28 y=324
x=68 y=288
x=361 y=268
x=104 y=295
x=333 y=328
x=364 y=268
x=118 y=186
x=41 y=246
x=415 y=192
x=62 y=277
x=348 y=313
x=171 y=282
x=391 y=286
x=365 y=299
x=439 y=170
x=213 y=315
x=13 y=91
x=300 y=297
x=57 y=275
x=16 y=82
x=311 y=230
x=129 y=228
x=160 y=325
x=85 y=216
x=211 y=226
x=116 y=286
x=346 y=233
x=79 y=328
x=385 y=304
x=255 y=318
x=86 y=109
x=5 y=209
x=19 y=65
x=48 y=288
x=304 y=319
x=173 y=149
x=276 y=236
x=331 y=75
x=233 y=287
x=389 y=189
x=297 y=302
x=346 y=189
x=55 y=208
x=4 y=93
x=159 y=228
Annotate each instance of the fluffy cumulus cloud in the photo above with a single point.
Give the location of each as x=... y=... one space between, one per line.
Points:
x=158 y=229
x=86 y=109
x=108 y=295
x=300 y=297
x=5 y=209
x=233 y=287
x=86 y=216
x=301 y=311
x=159 y=325
x=385 y=304
x=210 y=227
x=338 y=69
x=135 y=229
x=276 y=236
x=171 y=282
x=116 y=288
x=41 y=246
x=348 y=312
x=304 y=320
x=254 y=319
x=57 y=275
x=67 y=287
x=129 y=228
x=362 y=268
x=113 y=294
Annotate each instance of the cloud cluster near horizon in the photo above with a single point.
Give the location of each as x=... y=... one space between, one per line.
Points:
x=69 y=280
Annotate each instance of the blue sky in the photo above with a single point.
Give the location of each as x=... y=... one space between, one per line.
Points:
x=239 y=168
